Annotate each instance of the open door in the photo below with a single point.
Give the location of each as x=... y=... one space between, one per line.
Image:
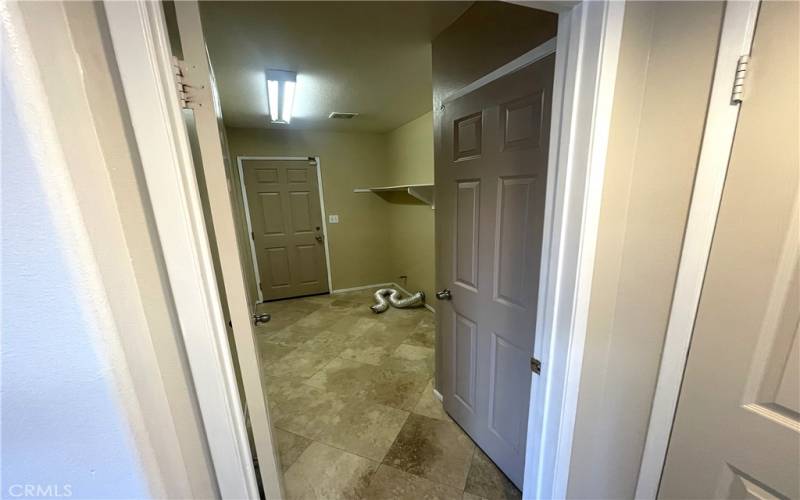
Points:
x=213 y=150
x=491 y=171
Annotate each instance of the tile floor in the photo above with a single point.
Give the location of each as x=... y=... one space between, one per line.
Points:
x=351 y=399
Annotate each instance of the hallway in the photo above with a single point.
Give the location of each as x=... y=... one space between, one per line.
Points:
x=352 y=404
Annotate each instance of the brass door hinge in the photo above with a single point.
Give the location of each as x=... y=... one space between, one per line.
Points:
x=186 y=96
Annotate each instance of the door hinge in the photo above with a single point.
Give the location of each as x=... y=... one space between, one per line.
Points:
x=253 y=235
x=737 y=95
x=536 y=366
x=186 y=96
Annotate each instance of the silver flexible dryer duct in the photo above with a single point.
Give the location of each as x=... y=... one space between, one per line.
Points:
x=394 y=299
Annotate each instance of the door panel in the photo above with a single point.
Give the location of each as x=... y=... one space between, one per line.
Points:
x=491 y=163
x=737 y=427
x=467 y=231
x=506 y=408
x=465 y=353
x=514 y=246
x=283 y=200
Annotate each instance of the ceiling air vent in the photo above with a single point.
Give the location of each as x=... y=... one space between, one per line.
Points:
x=342 y=116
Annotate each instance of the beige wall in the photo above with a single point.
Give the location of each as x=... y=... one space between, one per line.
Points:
x=411 y=237
x=359 y=242
x=663 y=83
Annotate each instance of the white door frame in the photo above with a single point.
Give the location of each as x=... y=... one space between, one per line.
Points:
x=141 y=46
x=736 y=39
x=589 y=34
x=588 y=41
x=253 y=256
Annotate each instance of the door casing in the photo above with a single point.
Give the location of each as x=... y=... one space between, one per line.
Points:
x=239 y=163
x=588 y=42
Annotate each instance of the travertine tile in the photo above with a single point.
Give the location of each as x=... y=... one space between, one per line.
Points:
x=329 y=342
x=429 y=405
x=271 y=352
x=343 y=376
x=391 y=387
x=300 y=362
x=470 y=496
x=356 y=425
x=340 y=379
x=422 y=336
x=487 y=481
x=357 y=327
x=412 y=358
x=292 y=335
x=324 y=472
x=373 y=346
x=433 y=449
x=365 y=428
x=394 y=484
x=284 y=313
x=290 y=446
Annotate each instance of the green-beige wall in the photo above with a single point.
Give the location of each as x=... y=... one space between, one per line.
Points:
x=411 y=238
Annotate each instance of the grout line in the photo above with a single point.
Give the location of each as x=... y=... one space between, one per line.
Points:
x=405 y=421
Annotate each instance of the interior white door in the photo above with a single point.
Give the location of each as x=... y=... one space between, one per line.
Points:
x=737 y=428
x=491 y=171
x=216 y=167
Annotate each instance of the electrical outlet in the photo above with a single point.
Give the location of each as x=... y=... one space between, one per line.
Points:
x=333 y=219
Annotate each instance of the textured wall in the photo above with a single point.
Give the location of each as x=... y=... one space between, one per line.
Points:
x=64 y=426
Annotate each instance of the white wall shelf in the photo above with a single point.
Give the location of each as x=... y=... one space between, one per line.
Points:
x=422 y=192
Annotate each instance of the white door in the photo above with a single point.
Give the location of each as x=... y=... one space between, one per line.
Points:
x=737 y=428
x=216 y=165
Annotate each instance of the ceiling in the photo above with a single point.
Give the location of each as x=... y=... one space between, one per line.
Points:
x=372 y=58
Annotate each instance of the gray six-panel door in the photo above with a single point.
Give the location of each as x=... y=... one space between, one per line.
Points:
x=491 y=174
x=286 y=218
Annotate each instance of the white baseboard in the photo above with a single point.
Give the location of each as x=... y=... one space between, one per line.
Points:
x=363 y=287
x=438 y=395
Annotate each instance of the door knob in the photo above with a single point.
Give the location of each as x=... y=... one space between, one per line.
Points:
x=259 y=319
x=318 y=238
x=444 y=294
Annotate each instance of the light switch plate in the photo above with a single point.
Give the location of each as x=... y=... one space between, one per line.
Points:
x=333 y=219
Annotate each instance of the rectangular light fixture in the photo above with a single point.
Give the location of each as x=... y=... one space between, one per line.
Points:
x=281 y=87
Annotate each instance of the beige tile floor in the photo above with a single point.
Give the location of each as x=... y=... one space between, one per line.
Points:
x=351 y=399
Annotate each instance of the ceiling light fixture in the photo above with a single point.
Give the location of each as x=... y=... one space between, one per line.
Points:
x=280 y=94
